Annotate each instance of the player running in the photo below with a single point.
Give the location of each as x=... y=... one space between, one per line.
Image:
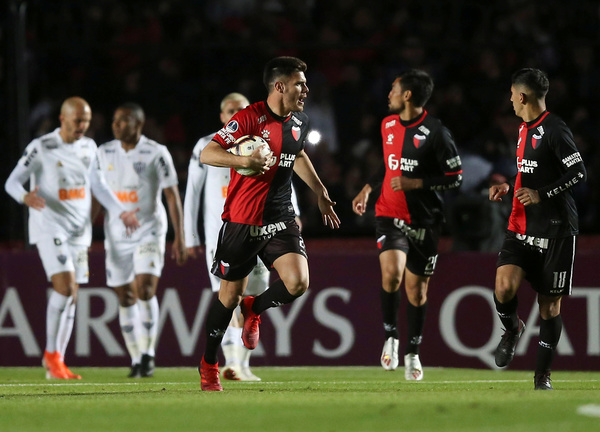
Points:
x=258 y=217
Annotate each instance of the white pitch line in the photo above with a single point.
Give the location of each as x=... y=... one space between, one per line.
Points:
x=255 y=383
x=590 y=410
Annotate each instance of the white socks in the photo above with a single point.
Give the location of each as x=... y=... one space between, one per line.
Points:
x=230 y=344
x=57 y=306
x=149 y=316
x=131 y=328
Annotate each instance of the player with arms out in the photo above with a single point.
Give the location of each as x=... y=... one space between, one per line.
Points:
x=137 y=170
x=258 y=217
x=63 y=172
x=420 y=161
x=540 y=241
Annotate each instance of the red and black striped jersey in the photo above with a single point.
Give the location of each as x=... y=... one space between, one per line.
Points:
x=549 y=162
x=420 y=148
x=263 y=199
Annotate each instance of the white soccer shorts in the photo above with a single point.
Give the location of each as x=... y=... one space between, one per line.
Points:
x=60 y=256
x=124 y=260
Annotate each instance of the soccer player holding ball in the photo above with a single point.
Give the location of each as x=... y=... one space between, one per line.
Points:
x=258 y=216
x=420 y=161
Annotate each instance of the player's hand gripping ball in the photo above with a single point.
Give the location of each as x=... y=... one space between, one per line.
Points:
x=245 y=146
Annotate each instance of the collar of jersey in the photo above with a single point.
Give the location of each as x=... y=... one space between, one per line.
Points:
x=414 y=121
x=275 y=116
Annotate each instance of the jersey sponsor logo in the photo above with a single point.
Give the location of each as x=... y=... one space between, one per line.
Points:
x=526 y=166
x=454 y=162
x=262 y=119
x=296 y=132
x=71 y=194
x=139 y=167
x=224 y=191
x=286 y=160
x=232 y=126
x=405 y=164
x=296 y=120
x=227 y=137
x=108 y=151
x=415 y=234
x=419 y=140
x=127 y=196
x=566 y=186
x=424 y=129
x=30 y=157
x=571 y=160
x=390 y=124
x=266 y=134
x=538 y=242
x=266 y=231
x=163 y=165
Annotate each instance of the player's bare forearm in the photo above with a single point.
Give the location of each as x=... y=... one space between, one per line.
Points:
x=179 y=252
x=306 y=171
x=215 y=155
x=359 y=203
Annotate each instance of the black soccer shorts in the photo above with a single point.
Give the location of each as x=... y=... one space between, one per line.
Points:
x=548 y=263
x=239 y=245
x=420 y=244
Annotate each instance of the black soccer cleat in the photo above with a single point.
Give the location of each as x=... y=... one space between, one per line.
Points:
x=542 y=381
x=147 y=366
x=506 y=348
x=136 y=371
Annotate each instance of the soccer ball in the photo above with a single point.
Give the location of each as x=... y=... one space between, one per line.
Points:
x=245 y=146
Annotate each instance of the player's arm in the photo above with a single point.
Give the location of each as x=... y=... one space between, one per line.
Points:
x=191 y=204
x=107 y=198
x=215 y=155
x=178 y=251
x=20 y=175
x=306 y=171
x=359 y=203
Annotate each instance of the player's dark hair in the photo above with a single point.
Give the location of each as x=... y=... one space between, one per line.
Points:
x=281 y=66
x=419 y=83
x=136 y=110
x=534 y=79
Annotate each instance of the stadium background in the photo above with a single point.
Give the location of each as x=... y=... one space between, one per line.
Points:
x=178 y=58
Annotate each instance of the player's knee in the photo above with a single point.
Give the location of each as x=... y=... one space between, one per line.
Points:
x=297 y=286
x=391 y=281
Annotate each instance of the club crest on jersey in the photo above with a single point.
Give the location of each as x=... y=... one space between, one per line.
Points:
x=139 y=167
x=419 y=140
x=536 y=140
x=86 y=160
x=62 y=259
x=232 y=126
x=296 y=132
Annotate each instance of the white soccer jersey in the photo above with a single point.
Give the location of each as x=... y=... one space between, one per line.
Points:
x=66 y=174
x=207 y=188
x=137 y=178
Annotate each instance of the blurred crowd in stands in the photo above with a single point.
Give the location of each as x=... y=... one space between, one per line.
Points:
x=178 y=58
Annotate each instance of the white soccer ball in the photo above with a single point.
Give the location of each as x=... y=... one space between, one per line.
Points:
x=245 y=146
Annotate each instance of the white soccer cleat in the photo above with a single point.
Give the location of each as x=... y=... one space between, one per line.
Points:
x=389 y=355
x=247 y=375
x=413 y=371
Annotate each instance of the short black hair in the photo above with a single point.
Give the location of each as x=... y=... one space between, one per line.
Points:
x=419 y=83
x=534 y=79
x=281 y=66
x=136 y=110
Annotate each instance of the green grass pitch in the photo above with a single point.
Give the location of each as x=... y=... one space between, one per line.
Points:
x=299 y=399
